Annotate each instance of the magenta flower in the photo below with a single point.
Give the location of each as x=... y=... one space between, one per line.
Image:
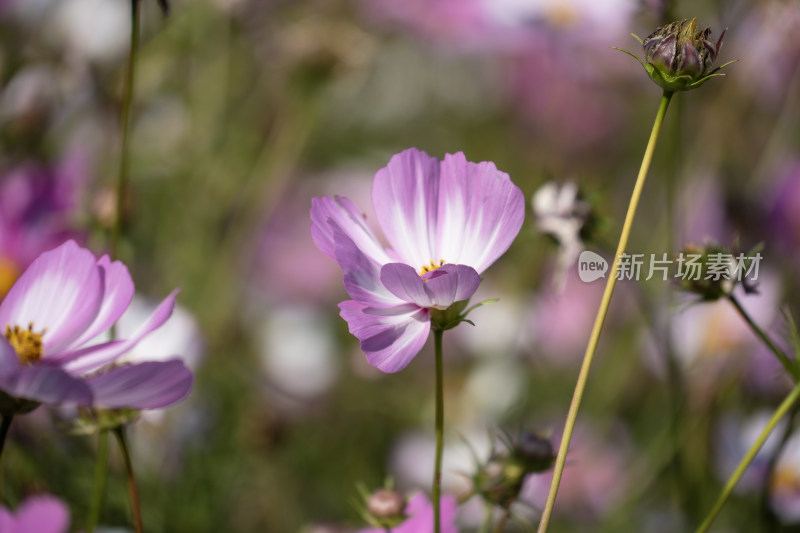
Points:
x=36 y=205
x=38 y=514
x=56 y=308
x=446 y=223
x=420 y=516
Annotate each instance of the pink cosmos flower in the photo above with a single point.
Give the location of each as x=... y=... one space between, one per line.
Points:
x=38 y=514
x=66 y=298
x=420 y=516
x=446 y=223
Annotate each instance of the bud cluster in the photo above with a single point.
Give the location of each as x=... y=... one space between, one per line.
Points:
x=718 y=271
x=500 y=479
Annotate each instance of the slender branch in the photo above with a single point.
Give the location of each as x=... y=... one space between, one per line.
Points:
x=601 y=315
x=748 y=458
x=787 y=363
x=437 y=469
x=4 y=427
x=501 y=524
x=133 y=492
x=127 y=99
x=100 y=474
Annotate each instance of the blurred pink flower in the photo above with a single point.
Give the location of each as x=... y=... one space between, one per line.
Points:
x=596 y=478
x=486 y=25
x=37 y=514
x=296 y=275
x=783 y=208
x=420 y=516
x=560 y=319
x=768 y=34
x=66 y=298
x=36 y=207
x=447 y=222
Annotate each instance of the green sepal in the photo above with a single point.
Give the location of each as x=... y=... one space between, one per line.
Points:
x=94 y=420
x=444 y=319
x=637 y=58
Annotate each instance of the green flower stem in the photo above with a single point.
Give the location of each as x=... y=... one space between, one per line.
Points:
x=487 y=521
x=439 y=422
x=100 y=474
x=787 y=363
x=611 y=282
x=4 y=427
x=748 y=458
x=127 y=99
x=133 y=492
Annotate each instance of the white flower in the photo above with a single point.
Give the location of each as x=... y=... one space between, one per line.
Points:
x=560 y=212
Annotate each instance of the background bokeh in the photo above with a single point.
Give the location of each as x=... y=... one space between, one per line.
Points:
x=246 y=109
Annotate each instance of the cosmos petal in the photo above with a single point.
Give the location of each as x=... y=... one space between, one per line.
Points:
x=391 y=338
x=361 y=274
x=117 y=297
x=42 y=514
x=405 y=197
x=438 y=289
x=451 y=283
x=7 y=521
x=9 y=362
x=88 y=359
x=345 y=215
x=150 y=385
x=480 y=212
x=405 y=283
x=61 y=291
x=46 y=384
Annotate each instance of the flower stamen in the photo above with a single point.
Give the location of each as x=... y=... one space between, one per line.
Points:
x=8 y=275
x=430 y=267
x=26 y=342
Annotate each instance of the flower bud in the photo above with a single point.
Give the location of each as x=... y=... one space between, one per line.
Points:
x=713 y=271
x=385 y=503
x=679 y=57
x=535 y=452
x=383 y=508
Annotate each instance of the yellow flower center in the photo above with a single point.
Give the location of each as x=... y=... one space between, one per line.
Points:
x=8 y=275
x=561 y=16
x=26 y=343
x=430 y=267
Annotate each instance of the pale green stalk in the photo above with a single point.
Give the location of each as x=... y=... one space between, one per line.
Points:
x=748 y=458
x=611 y=282
x=100 y=474
x=439 y=423
x=787 y=363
